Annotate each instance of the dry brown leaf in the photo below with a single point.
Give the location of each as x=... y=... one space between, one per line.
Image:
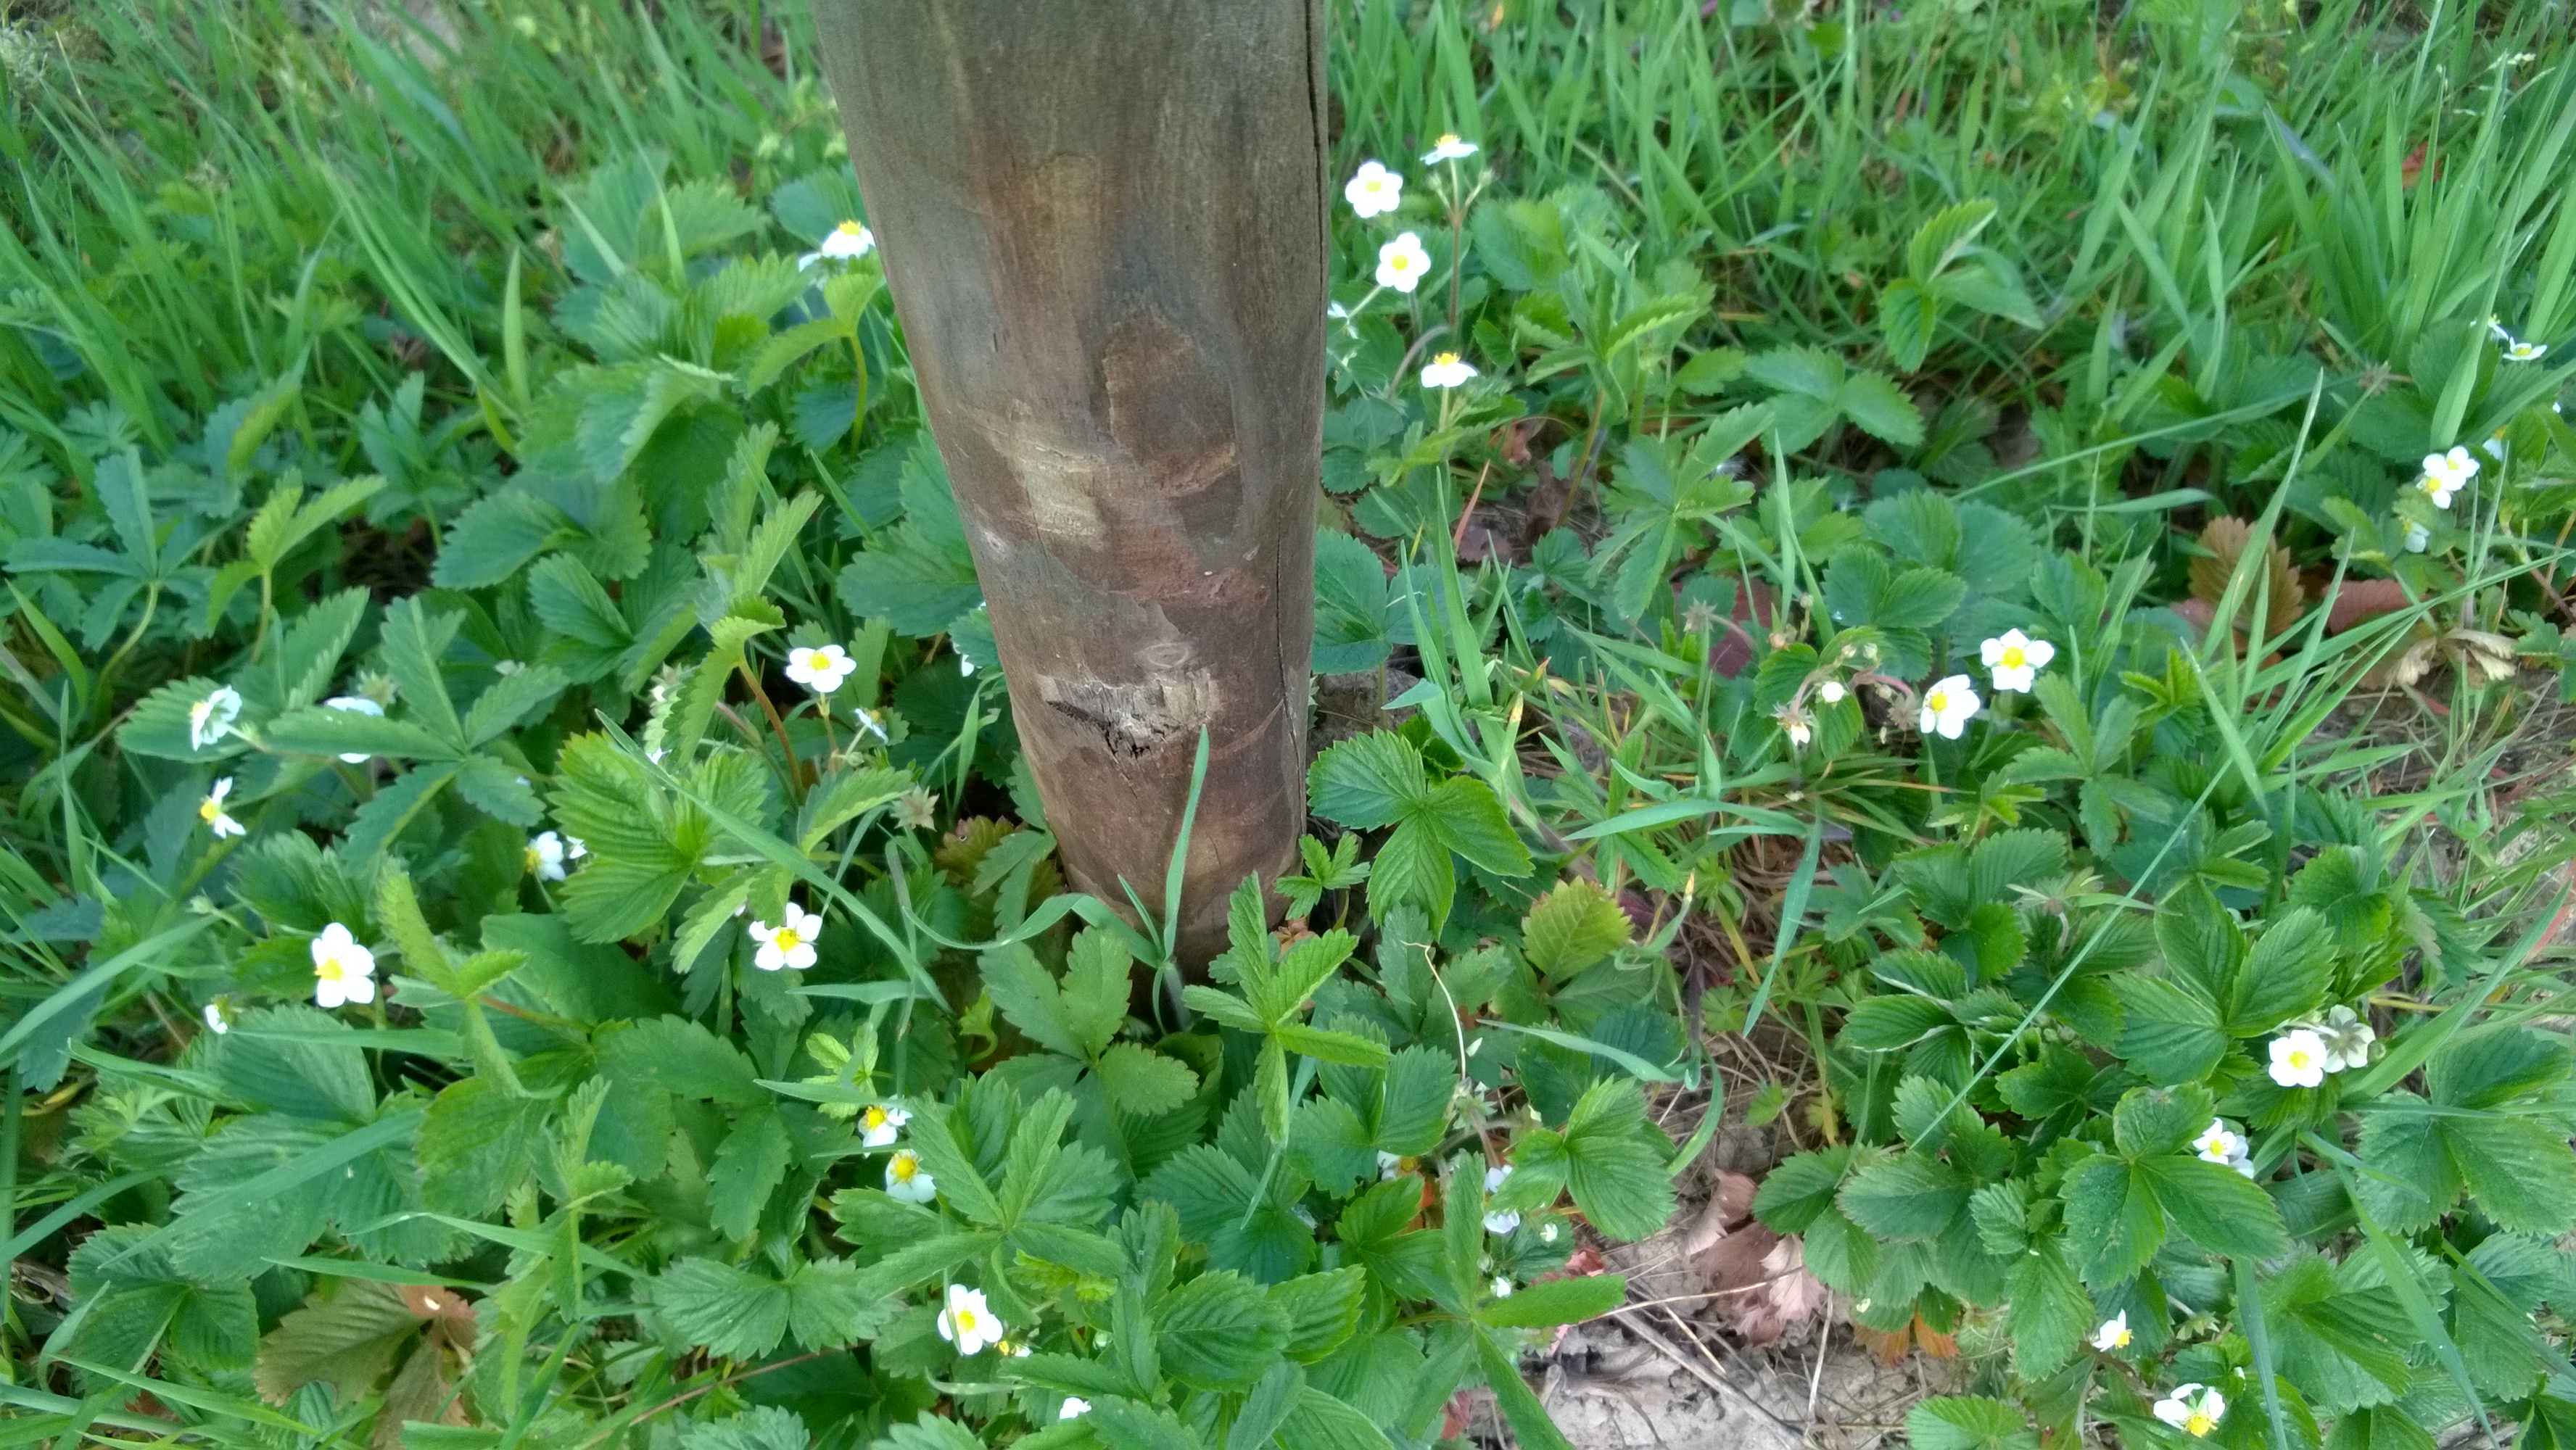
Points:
x=1778 y=1293
x=1726 y=1211
x=2226 y=540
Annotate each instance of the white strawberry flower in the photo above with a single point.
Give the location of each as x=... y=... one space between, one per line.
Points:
x=2347 y=1038
x=1446 y=370
x=1373 y=190
x=1796 y=726
x=1390 y=1167
x=1502 y=1287
x=1075 y=1407
x=1448 y=148
x=905 y=1180
x=820 y=668
x=967 y=1321
x=1831 y=692
x=2193 y=1409
x=211 y=811
x=2114 y=1333
x=2519 y=351
x=1499 y=1221
x=2298 y=1058
x=2016 y=660
x=545 y=856
x=1949 y=705
x=2218 y=1143
x=790 y=944
x=343 y=970
x=1402 y=263
x=880 y=1125
x=847 y=243
x=2445 y=474
x=216 y=1022
x=2418 y=538
x=359 y=705
x=211 y=719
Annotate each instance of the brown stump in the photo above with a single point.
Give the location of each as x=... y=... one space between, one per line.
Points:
x=1103 y=222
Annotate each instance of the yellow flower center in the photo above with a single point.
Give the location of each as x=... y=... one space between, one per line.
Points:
x=2120 y=1340
x=533 y=857
x=209 y=808
x=906 y=1166
x=1446 y=360
x=966 y=1321
x=1399 y=261
x=849 y=229
x=1938 y=702
x=1449 y=140
x=787 y=939
x=2015 y=657
x=2199 y=1425
x=2300 y=1058
x=873 y=1118
x=329 y=969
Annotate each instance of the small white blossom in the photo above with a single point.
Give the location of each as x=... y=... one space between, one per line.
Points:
x=967 y=1321
x=820 y=668
x=1448 y=148
x=1390 y=1167
x=2218 y=1143
x=2298 y=1058
x=868 y=724
x=2192 y=1409
x=2525 y=351
x=2497 y=448
x=2445 y=474
x=1831 y=692
x=2418 y=538
x=506 y=668
x=1949 y=705
x=2347 y=1038
x=211 y=719
x=905 y=1182
x=1547 y=1232
x=1796 y=726
x=880 y=1125
x=211 y=811
x=1402 y=263
x=1446 y=370
x=1373 y=190
x=1499 y=1221
x=2016 y=660
x=790 y=944
x=1075 y=1407
x=359 y=705
x=847 y=243
x=343 y=970
x=545 y=856
x=2114 y=1333
x=216 y=1022
x=1502 y=1287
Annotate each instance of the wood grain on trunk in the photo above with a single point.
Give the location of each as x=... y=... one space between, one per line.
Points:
x=1103 y=222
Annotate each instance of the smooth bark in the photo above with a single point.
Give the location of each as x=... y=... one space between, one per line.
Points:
x=1103 y=222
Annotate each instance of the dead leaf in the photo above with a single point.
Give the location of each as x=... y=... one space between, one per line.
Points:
x=2356 y=600
x=2226 y=540
x=1776 y=1292
x=1728 y=1210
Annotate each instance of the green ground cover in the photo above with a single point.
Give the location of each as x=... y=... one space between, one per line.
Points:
x=2013 y=554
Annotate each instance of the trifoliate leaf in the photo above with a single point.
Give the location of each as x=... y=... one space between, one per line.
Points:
x=1573 y=927
x=730 y=1312
x=347 y=1337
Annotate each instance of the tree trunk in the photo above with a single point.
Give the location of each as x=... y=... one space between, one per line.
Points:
x=1103 y=222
